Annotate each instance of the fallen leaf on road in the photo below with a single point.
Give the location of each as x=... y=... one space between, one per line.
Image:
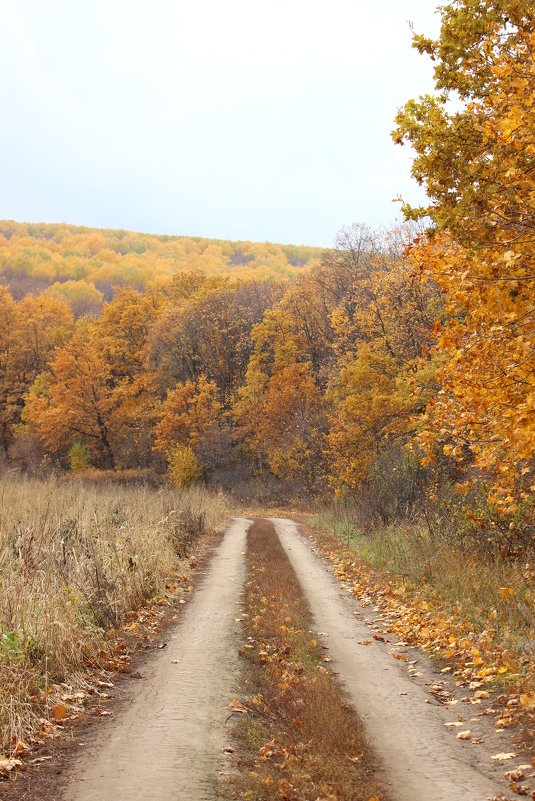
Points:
x=511 y=755
x=237 y=707
x=520 y=789
x=518 y=773
x=464 y=735
x=401 y=657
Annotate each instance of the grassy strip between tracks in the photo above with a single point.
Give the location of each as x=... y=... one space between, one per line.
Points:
x=296 y=738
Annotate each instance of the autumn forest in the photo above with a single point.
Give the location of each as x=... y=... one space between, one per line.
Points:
x=395 y=369
x=212 y=449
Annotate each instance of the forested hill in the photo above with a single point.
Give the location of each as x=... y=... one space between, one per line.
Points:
x=84 y=264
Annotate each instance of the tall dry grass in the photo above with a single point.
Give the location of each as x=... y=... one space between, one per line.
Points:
x=75 y=557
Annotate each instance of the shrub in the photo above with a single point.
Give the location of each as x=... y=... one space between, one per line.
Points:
x=184 y=468
x=79 y=457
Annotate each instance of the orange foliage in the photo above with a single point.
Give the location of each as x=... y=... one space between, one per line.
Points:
x=392 y=339
x=29 y=333
x=476 y=162
x=383 y=331
x=35 y=256
x=191 y=416
x=74 y=400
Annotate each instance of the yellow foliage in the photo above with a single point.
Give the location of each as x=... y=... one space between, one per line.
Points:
x=183 y=467
x=476 y=163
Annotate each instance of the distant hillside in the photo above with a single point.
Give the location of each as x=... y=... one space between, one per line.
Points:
x=84 y=264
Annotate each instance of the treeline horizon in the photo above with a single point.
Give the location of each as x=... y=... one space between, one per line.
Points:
x=86 y=266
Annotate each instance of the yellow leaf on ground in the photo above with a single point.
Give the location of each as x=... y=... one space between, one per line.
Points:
x=528 y=700
x=237 y=707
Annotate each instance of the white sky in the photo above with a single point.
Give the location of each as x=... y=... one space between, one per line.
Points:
x=235 y=119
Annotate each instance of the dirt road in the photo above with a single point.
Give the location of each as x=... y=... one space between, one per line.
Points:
x=422 y=760
x=168 y=743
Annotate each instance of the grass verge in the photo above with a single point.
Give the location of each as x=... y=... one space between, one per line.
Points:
x=299 y=739
x=471 y=611
x=75 y=560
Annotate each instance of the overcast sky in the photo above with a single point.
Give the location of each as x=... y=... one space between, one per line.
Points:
x=236 y=119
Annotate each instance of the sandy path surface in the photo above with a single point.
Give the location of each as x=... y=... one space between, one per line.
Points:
x=422 y=761
x=167 y=744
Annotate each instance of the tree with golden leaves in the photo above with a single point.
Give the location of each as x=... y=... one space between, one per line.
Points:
x=383 y=331
x=73 y=401
x=476 y=160
x=30 y=331
x=192 y=420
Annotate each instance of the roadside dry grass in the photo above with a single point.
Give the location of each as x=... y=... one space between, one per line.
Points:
x=299 y=739
x=491 y=591
x=75 y=559
x=474 y=612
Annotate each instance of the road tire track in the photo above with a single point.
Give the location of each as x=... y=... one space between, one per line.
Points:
x=167 y=744
x=422 y=762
